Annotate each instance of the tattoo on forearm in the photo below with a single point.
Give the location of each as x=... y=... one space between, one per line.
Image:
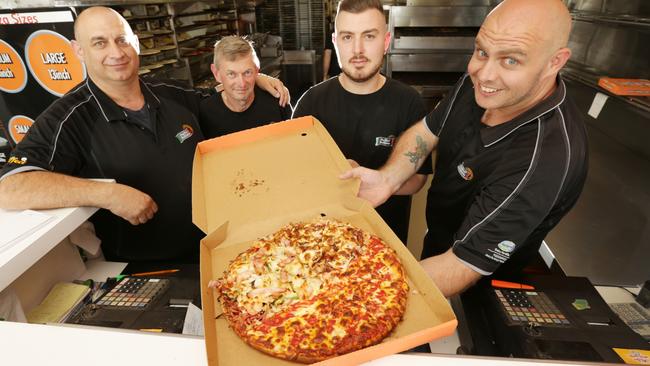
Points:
x=419 y=153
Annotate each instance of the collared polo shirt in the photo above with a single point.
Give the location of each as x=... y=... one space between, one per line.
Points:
x=85 y=134
x=497 y=191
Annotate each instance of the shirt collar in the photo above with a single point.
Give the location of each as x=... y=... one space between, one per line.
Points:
x=113 y=112
x=494 y=134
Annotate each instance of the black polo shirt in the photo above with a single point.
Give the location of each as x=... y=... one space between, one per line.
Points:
x=85 y=134
x=365 y=128
x=497 y=191
x=218 y=120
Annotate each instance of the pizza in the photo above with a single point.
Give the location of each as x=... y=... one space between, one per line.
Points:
x=314 y=290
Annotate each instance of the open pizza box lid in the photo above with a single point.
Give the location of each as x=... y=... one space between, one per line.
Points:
x=249 y=184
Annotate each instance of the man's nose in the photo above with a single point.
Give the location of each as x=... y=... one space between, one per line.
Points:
x=358 y=46
x=115 y=50
x=487 y=71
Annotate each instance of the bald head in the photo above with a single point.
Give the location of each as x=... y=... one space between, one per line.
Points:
x=545 y=21
x=90 y=17
x=109 y=49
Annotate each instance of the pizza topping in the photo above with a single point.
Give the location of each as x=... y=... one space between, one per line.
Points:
x=314 y=290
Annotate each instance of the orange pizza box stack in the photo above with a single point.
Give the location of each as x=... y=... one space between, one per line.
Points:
x=631 y=87
x=251 y=183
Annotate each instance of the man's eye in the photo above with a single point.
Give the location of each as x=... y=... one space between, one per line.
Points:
x=346 y=38
x=99 y=44
x=370 y=36
x=481 y=53
x=511 y=61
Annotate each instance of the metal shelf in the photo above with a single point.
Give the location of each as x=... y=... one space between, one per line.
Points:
x=627 y=20
x=589 y=77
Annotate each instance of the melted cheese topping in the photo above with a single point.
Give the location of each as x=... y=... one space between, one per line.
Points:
x=314 y=290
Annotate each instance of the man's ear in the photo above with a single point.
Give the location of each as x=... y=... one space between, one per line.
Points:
x=559 y=59
x=136 y=44
x=215 y=73
x=386 y=42
x=76 y=48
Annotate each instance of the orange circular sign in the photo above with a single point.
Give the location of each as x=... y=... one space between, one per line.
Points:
x=52 y=62
x=13 y=74
x=18 y=127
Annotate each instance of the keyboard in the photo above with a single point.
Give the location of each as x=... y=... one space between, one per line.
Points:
x=134 y=293
x=635 y=316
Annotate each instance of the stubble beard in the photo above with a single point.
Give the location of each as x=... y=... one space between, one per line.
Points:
x=361 y=79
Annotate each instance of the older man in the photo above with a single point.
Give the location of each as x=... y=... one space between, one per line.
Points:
x=511 y=149
x=241 y=105
x=363 y=110
x=114 y=125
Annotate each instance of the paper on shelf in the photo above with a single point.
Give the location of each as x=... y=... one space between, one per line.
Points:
x=58 y=303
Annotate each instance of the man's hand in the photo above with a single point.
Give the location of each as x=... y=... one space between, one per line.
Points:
x=274 y=87
x=374 y=187
x=130 y=204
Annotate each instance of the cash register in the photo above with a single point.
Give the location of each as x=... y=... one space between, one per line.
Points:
x=551 y=317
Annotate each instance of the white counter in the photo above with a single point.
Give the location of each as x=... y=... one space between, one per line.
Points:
x=19 y=257
x=33 y=344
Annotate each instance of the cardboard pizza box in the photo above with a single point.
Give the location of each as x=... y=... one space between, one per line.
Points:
x=630 y=87
x=249 y=184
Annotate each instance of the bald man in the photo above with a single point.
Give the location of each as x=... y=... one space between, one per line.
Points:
x=511 y=150
x=114 y=125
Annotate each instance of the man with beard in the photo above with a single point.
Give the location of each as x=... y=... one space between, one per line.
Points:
x=363 y=110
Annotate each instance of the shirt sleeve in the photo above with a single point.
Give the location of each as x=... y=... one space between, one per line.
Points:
x=511 y=204
x=436 y=119
x=50 y=144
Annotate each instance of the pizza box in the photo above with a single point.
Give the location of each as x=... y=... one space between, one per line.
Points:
x=633 y=87
x=249 y=184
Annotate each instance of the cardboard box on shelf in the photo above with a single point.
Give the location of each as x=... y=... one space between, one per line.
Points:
x=630 y=87
x=249 y=184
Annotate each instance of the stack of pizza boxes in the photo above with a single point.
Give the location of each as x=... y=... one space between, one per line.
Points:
x=249 y=184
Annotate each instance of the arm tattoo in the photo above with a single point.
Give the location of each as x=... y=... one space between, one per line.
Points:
x=419 y=153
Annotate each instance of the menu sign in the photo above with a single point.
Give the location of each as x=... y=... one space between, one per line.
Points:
x=37 y=66
x=52 y=62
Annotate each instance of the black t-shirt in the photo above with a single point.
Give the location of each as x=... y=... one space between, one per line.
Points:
x=85 y=134
x=217 y=120
x=365 y=128
x=334 y=69
x=499 y=190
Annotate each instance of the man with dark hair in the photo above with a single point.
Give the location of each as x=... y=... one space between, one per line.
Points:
x=363 y=110
x=241 y=105
x=511 y=150
x=114 y=125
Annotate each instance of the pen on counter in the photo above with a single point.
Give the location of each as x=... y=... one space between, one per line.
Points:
x=155 y=273
x=152 y=273
x=512 y=285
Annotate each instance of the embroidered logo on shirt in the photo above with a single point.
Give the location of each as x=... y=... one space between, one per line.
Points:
x=506 y=246
x=185 y=133
x=465 y=172
x=15 y=160
x=502 y=251
x=385 y=141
